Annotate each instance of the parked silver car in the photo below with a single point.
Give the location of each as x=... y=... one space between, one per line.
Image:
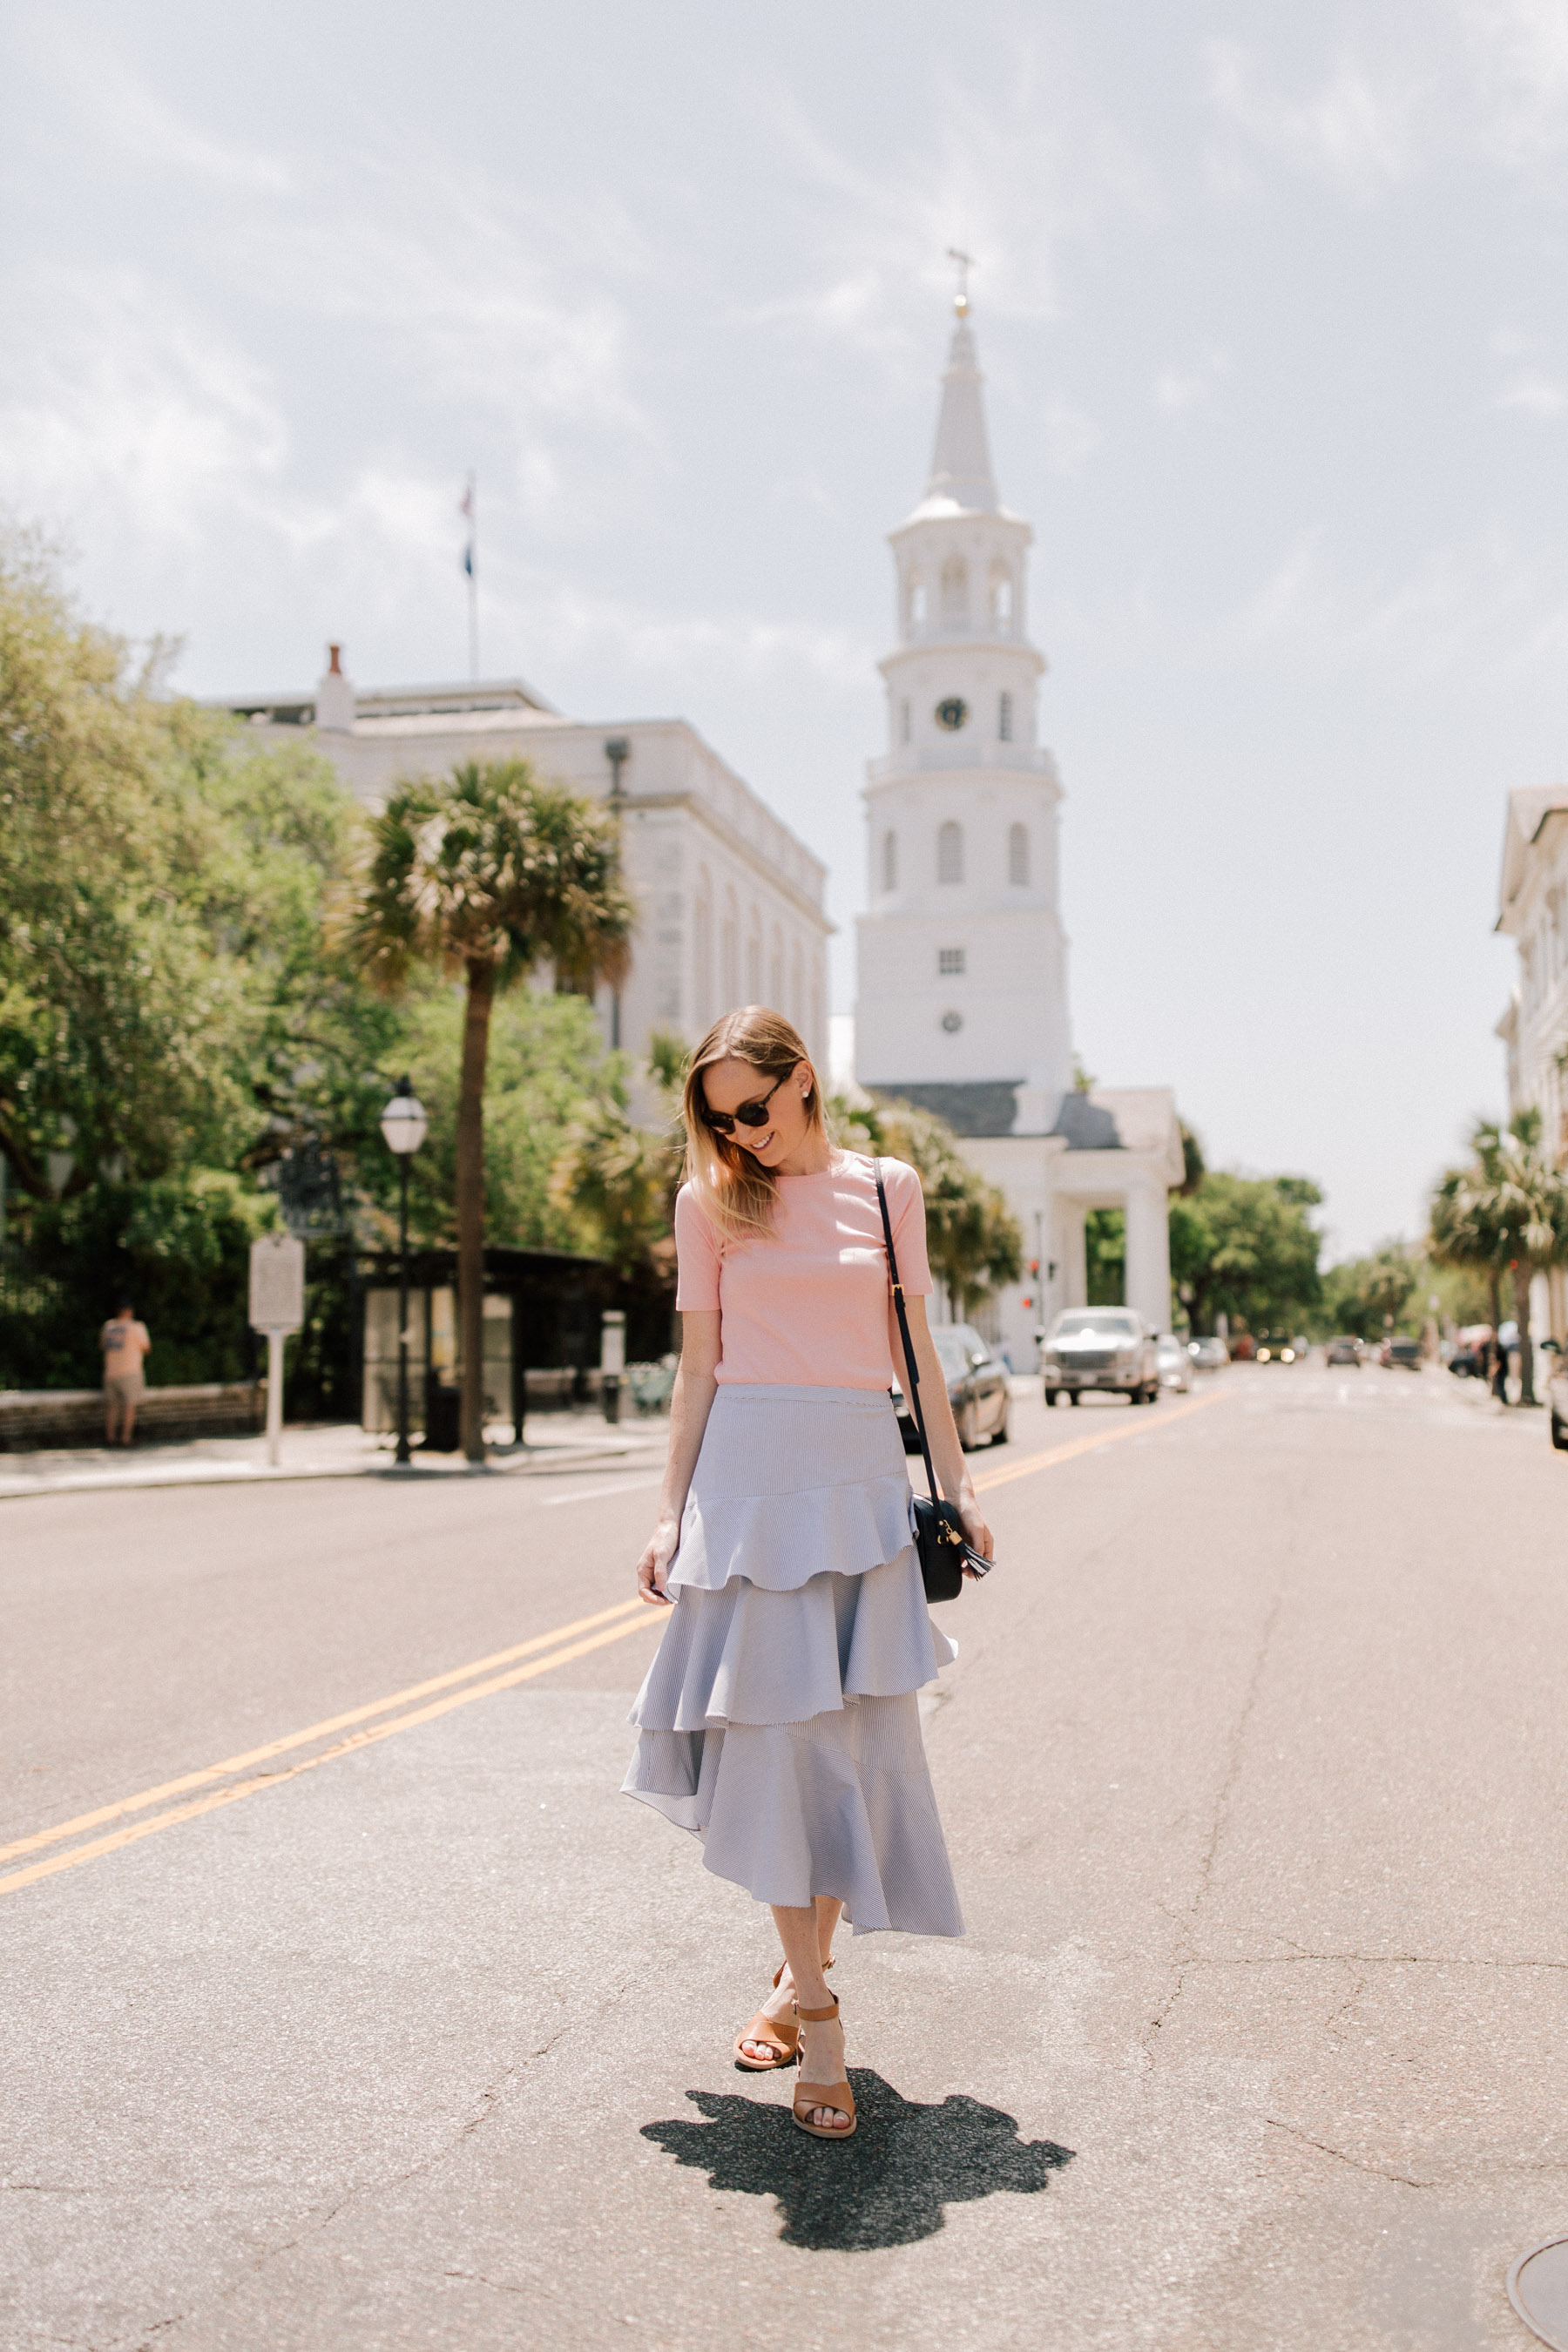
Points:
x=1171 y=1355
x=1100 y=1348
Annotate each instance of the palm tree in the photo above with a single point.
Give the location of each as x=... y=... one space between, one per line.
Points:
x=489 y=873
x=1507 y=1211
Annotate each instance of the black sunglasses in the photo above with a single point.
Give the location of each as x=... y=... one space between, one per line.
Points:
x=750 y=1114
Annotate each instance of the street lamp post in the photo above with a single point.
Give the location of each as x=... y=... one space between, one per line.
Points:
x=403 y=1123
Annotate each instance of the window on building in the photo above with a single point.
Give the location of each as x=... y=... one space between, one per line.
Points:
x=950 y=963
x=950 y=852
x=1004 y=717
x=904 y=719
x=890 y=860
x=955 y=594
x=914 y=601
x=1018 y=854
x=702 y=954
x=1001 y=597
x=730 y=957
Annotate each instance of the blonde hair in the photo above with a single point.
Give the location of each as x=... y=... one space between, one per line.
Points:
x=734 y=1191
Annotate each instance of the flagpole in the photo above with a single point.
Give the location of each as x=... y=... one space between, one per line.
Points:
x=471 y=565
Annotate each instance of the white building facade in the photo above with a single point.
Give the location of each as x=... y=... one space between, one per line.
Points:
x=962 y=998
x=1532 y=912
x=730 y=903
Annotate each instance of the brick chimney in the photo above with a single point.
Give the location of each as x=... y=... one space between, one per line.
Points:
x=335 y=695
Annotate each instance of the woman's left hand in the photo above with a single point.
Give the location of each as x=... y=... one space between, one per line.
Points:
x=975 y=1529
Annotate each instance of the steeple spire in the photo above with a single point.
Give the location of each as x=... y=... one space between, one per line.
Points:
x=960 y=462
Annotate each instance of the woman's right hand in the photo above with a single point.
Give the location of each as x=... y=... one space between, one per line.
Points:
x=652 y=1568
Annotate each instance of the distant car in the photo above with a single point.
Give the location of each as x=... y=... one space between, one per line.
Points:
x=1345 y=1350
x=1174 y=1361
x=1277 y=1348
x=1557 y=1397
x=1107 y=1348
x=1400 y=1355
x=1208 y=1355
x=1472 y=1349
x=977 y=1389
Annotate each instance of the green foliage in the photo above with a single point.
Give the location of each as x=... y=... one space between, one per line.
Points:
x=547 y=1059
x=177 y=1246
x=1105 y=1256
x=491 y=867
x=166 y=1001
x=1246 y=1246
x=971 y=1238
x=1504 y=1213
x=1360 y=1293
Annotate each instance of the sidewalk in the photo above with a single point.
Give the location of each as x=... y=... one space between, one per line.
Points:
x=553 y=1441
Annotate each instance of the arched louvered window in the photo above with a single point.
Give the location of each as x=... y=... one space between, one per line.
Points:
x=955 y=594
x=1004 y=717
x=1018 y=854
x=1001 y=597
x=914 y=601
x=890 y=860
x=904 y=719
x=950 y=852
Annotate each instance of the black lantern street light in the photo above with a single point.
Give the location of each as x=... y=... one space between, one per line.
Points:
x=403 y=1123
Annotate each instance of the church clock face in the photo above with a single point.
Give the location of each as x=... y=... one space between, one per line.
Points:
x=951 y=713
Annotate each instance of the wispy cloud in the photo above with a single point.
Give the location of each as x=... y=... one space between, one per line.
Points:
x=1356 y=130
x=1178 y=389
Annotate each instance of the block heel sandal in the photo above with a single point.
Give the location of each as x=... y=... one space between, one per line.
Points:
x=809 y=2097
x=783 y=2039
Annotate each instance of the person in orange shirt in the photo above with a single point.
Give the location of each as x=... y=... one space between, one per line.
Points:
x=126 y=1344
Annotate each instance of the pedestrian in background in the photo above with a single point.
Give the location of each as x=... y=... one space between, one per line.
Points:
x=779 y=1720
x=126 y=1347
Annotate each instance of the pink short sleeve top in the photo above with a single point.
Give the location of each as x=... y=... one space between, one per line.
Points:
x=810 y=1306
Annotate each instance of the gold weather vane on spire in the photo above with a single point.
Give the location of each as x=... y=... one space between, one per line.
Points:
x=965 y=263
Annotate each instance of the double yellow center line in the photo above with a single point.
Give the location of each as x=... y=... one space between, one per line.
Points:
x=135 y=1817
x=606 y=1625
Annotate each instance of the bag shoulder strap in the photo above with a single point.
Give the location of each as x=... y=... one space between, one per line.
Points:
x=912 y=1367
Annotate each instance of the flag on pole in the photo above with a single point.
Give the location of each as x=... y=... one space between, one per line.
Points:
x=466 y=507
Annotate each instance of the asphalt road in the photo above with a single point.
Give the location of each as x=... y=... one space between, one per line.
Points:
x=413 y=2032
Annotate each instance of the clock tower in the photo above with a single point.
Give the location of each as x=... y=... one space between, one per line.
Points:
x=963 y=966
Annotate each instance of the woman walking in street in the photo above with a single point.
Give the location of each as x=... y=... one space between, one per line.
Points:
x=779 y=1720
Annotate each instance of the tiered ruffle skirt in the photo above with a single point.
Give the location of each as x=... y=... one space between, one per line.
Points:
x=779 y=1719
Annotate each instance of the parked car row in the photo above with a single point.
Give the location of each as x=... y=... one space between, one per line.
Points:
x=977 y=1389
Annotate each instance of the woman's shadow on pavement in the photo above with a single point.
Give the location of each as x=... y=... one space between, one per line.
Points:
x=885 y=2187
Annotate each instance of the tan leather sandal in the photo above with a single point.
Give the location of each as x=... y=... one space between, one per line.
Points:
x=782 y=2037
x=809 y=2097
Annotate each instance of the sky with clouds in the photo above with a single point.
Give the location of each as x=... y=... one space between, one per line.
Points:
x=1270 y=305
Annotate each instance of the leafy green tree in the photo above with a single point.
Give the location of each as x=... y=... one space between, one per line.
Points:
x=1364 y=1294
x=1505 y=1211
x=971 y=1238
x=1246 y=1246
x=488 y=873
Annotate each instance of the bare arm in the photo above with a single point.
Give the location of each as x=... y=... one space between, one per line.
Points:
x=691 y=1402
x=942 y=1432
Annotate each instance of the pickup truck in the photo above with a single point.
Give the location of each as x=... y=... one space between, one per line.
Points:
x=1107 y=1348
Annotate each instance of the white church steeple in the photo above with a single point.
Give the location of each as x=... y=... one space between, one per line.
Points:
x=962 y=987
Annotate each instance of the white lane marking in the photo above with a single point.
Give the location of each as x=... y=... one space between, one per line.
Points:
x=591 y=1494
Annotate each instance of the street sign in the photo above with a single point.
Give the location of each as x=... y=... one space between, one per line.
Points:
x=277 y=1283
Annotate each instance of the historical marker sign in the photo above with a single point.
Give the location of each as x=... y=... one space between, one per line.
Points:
x=277 y=1283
